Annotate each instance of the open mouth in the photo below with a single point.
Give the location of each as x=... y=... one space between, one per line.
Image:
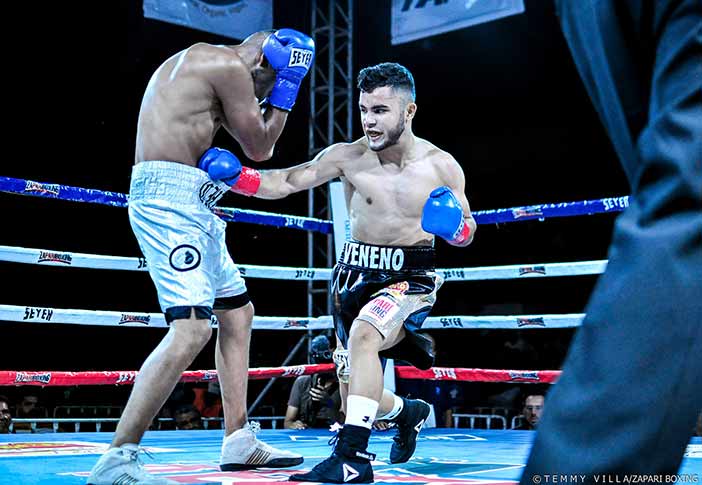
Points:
x=373 y=135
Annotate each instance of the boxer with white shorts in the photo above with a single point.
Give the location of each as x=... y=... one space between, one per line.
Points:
x=177 y=179
x=183 y=240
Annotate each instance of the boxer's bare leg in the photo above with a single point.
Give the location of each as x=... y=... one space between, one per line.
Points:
x=365 y=341
x=159 y=375
x=387 y=400
x=232 y=360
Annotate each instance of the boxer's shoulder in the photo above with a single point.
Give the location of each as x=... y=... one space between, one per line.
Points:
x=208 y=58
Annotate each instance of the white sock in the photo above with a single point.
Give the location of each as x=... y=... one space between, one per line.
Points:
x=360 y=411
x=397 y=406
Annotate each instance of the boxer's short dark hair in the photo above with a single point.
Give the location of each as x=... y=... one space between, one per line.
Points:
x=390 y=74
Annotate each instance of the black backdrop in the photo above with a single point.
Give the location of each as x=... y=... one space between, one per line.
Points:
x=504 y=98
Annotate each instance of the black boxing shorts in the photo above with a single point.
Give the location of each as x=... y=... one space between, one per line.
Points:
x=387 y=286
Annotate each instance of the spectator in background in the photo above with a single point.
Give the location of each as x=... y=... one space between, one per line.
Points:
x=533 y=407
x=5 y=415
x=29 y=408
x=182 y=395
x=188 y=417
x=314 y=400
x=209 y=402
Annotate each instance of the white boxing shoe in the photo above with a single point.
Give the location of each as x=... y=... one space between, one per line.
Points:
x=122 y=466
x=241 y=450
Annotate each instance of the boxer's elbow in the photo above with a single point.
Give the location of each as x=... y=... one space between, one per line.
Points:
x=260 y=155
x=258 y=150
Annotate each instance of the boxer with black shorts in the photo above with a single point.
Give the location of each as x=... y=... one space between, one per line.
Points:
x=176 y=180
x=387 y=287
x=400 y=191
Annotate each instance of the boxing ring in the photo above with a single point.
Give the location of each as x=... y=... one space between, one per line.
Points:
x=445 y=456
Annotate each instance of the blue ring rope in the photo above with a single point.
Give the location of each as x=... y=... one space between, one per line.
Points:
x=115 y=199
x=495 y=216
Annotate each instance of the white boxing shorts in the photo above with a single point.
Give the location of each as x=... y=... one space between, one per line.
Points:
x=183 y=241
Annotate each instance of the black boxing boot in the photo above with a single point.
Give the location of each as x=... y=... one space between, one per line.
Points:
x=409 y=423
x=349 y=462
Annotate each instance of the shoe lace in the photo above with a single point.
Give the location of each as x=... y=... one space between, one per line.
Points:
x=135 y=455
x=335 y=438
x=402 y=429
x=254 y=426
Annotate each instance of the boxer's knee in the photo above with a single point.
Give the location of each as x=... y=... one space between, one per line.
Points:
x=236 y=320
x=364 y=337
x=245 y=314
x=190 y=335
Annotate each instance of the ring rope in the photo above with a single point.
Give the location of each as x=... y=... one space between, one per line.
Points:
x=77 y=194
x=62 y=378
x=478 y=375
x=34 y=314
x=493 y=216
x=516 y=271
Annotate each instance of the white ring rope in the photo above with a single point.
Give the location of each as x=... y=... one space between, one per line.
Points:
x=516 y=271
x=33 y=314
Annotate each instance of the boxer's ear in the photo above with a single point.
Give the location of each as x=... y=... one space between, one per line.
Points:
x=410 y=111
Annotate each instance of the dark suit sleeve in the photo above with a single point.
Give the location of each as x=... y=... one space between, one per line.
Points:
x=631 y=384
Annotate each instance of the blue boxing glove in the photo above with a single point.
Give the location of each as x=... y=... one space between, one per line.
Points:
x=443 y=216
x=290 y=53
x=221 y=165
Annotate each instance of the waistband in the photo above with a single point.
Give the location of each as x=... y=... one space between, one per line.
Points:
x=175 y=182
x=387 y=258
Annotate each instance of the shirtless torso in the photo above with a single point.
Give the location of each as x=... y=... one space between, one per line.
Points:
x=199 y=90
x=384 y=199
x=189 y=97
x=384 y=284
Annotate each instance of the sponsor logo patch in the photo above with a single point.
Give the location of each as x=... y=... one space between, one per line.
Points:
x=27 y=377
x=38 y=188
x=296 y=324
x=37 y=313
x=532 y=269
x=300 y=58
x=381 y=308
x=524 y=376
x=126 y=318
x=401 y=287
x=531 y=322
x=519 y=213
x=296 y=370
x=210 y=194
x=373 y=257
x=447 y=322
x=185 y=258
x=49 y=257
x=444 y=373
